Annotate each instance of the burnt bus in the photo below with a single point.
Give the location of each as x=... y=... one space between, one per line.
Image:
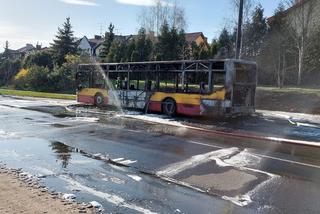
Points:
x=188 y=87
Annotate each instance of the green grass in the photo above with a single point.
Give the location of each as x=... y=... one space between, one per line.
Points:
x=290 y=89
x=37 y=94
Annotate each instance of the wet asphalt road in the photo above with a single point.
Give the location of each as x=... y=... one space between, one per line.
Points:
x=139 y=170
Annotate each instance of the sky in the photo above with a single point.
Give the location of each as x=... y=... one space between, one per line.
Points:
x=37 y=21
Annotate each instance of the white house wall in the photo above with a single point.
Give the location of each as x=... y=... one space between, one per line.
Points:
x=85 y=47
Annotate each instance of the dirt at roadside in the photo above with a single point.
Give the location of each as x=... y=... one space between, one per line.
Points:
x=308 y=103
x=17 y=196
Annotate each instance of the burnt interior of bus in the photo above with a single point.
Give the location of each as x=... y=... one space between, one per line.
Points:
x=244 y=87
x=180 y=77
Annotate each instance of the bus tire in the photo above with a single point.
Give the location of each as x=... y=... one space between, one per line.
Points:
x=98 y=100
x=169 y=107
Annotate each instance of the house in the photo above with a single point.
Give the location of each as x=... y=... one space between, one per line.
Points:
x=87 y=46
x=93 y=47
x=197 y=38
x=26 y=50
x=14 y=54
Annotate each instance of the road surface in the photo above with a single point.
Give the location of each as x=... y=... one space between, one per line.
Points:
x=134 y=167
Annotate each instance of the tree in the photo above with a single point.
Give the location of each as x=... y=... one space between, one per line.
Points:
x=43 y=59
x=64 y=43
x=37 y=78
x=109 y=38
x=226 y=44
x=134 y=56
x=143 y=46
x=248 y=6
x=171 y=44
x=8 y=69
x=312 y=62
x=254 y=33
x=214 y=47
x=6 y=53
x=117 y=52
x=274 y=50
x=301 y=29
x=153 y=18
x=130 y=49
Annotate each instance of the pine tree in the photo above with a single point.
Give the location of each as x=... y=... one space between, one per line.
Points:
x=254 y=34
x=130 y=49
x=171 y=44
x=117 y=52
x=64 y=43
x=143 y=46
x=163 y=45
x=134 y=56
x=214 y=47
x=226 y=44
x=6 y=53
x=109 y=38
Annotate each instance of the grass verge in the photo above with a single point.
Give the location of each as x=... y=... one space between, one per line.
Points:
x=290 y=90
x=37 y=94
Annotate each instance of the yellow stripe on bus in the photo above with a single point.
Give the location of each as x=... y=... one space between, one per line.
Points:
x=180 y=98
x=92 y=92
x=191 y=99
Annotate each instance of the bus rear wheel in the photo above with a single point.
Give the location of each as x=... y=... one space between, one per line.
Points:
x=169 y=107
x=98 y=100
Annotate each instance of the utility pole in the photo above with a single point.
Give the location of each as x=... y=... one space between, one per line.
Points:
x=239 y=32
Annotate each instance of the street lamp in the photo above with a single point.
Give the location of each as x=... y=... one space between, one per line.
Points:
x=239 y=31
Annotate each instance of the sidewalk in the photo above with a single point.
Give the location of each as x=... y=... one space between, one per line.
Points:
x=17 y=196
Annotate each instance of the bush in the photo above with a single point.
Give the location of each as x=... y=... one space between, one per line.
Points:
x=43 y=59
x=8 y=69
x=37 y=78
x=19 y=79
x=46 y=79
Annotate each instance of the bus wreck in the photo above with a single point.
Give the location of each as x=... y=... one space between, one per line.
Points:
x=191 y=88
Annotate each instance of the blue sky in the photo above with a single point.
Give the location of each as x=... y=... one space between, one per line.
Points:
x=32 y=21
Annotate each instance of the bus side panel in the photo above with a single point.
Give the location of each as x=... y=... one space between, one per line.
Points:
x=154 y=106
x=188 y=109
x=87 y=95
x=187 y=104
x=85 y=99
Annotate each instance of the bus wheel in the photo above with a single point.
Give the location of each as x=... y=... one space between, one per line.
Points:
x=98 y=100
x=169 y=107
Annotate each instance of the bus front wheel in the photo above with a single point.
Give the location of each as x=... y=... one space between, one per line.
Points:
x=98 y=100
x=169 y=107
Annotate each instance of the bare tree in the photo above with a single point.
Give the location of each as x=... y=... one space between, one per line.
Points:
x=301 y=22
x=248 y=8
x=153 y=17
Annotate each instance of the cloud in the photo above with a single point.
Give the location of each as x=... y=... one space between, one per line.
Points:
x=81 y=2
x=143 y=2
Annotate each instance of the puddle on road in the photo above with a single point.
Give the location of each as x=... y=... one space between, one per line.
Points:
x=305 y=133
x=119 y=189
x=58 y=125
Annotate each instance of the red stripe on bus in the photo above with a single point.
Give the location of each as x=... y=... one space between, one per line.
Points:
x=189 y=110
x=155 y=106
x=85 y=99
x=90 y=99
x=185 y=109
